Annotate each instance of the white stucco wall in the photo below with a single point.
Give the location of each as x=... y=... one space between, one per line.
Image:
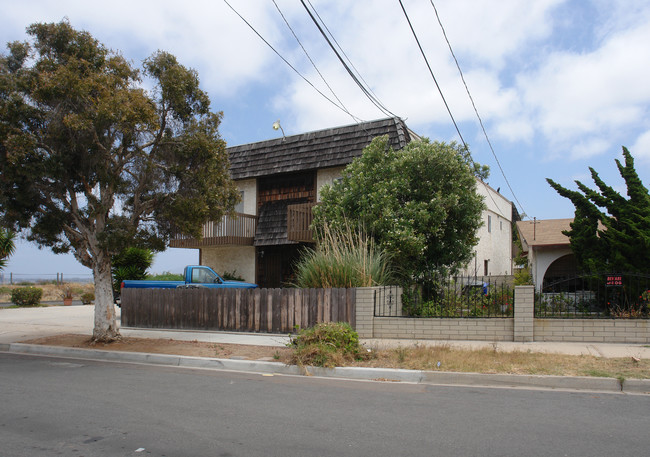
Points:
x=540 y=258
x=240 y=259
x=495 y=235
x=327 y=176
x=249 y=188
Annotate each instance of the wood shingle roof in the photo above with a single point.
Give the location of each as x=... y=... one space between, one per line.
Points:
x=313 y=150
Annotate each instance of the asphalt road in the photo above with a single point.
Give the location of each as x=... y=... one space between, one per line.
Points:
x=72 y=407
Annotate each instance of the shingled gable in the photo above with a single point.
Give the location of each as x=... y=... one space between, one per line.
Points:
x=313 y=150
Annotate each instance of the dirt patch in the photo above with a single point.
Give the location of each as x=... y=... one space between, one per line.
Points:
x=434 y=358
x=168 y=346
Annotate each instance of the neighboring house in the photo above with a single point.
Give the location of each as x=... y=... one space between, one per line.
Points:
x=280 y=182
x=493 y=253
x=549 y=251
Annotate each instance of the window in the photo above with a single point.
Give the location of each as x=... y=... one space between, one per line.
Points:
x=489 y=223
x=239 y=207
x=485 y=267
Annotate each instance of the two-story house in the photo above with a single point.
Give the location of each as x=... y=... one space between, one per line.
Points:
x=279 y=181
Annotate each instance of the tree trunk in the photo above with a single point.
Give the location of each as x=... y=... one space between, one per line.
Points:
x=105 y=329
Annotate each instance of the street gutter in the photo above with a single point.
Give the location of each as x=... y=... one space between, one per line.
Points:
x=564 y=383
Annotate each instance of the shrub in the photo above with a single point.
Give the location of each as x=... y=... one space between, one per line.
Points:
x=26 y=296
x=232 y=276
x=327 y=345
x=87 y=298
x=343 y=258
x=165 y=276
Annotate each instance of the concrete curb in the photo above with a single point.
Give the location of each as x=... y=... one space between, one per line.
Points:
x=633 y=386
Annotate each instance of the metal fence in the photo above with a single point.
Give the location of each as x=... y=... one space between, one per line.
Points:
x=456 y=297
x=602 y=295
x=38 y=278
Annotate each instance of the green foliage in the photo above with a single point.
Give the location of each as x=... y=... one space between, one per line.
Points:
x=610 y=232
x=7 y=246
x=26 y=296
x=231 y=276
x=327 y=345
x=523 y=277
x=165 y=276
x=87 y=298
x=131 y=263
x=455 y=300
x=419 y=204
x=343 y=258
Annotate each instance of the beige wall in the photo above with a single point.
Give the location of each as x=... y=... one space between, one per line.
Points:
x=495 y=236
x=327 y=176
x=240 y=259
x=593 y=330
x=249 y=187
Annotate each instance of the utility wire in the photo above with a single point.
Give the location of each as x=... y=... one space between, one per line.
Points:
x=417 y=40
x=341 y=49
x=474 y=106
x=354 y=118
x=373 y=99
x=285 y=60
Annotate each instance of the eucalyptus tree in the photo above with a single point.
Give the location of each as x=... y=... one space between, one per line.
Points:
x=92 y=162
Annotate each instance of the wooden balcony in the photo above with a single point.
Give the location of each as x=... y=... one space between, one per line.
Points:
x=299 y=218
x=230 y=231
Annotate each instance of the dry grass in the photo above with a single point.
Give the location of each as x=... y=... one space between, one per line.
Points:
x=51 y=292
x=417 y=357
x=445 y=358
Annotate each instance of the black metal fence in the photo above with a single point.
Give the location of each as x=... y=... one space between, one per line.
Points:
x=603 y=295
x=457 y=297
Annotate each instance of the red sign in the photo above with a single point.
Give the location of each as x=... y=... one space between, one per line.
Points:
x=614 y=280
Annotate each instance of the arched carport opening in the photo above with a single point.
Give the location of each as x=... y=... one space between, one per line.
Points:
x=563 y=268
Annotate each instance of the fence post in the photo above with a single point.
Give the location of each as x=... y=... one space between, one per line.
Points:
x=524 y=313
x=365 y=311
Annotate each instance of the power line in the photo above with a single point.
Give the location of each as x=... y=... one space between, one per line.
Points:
x=341 y=49
x=370 y=96
x=417 y=40
x=354 y=118
x=462 y=77
x=284 y=60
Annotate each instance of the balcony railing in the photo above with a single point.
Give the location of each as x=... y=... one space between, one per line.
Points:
x=299 y=218
x=238 y=231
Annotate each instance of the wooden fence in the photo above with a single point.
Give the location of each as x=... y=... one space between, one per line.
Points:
x=244 y=310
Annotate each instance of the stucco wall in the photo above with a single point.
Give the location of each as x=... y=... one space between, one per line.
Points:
x=327 y=176
x=495 y=236
x=249 y=187
x=542 y=257
x=240 y=259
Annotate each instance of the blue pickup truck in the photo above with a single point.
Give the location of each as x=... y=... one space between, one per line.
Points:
x=196 y=276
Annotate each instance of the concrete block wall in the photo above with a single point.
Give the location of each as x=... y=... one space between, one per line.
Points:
x=524 y=313
x=593 y=330
x=496 y=329
x=523 y=327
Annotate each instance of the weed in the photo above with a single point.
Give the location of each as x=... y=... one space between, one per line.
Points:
x=327 y=345
x=276 y=355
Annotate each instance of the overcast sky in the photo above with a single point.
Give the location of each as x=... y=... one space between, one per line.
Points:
x=560 y=85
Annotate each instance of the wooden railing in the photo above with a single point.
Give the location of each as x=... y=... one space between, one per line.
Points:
x=239 y=231
x=299 y=218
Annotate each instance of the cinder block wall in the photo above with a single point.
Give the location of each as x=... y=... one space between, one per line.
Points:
x=523 y=327
x=593 y=330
